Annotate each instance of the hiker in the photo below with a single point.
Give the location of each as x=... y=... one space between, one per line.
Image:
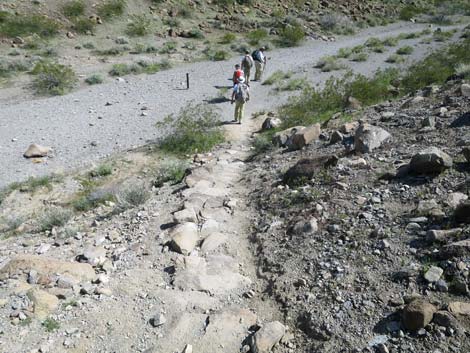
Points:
x=240 y=95
x=260 y=62
x=237 y=74
x=247 y=64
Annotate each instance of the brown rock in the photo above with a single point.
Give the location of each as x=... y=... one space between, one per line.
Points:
x=457 y=249
x=418 y=314
x=459 y=308
x=35 y=150
x=44 y=303
x=268 y=336
x=304 y=137
x=306 y=168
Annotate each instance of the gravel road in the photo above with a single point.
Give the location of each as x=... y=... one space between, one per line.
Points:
x=110 y=115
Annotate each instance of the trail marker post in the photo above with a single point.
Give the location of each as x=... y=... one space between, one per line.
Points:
x=187 y=81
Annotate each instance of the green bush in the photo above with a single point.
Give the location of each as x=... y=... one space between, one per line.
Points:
x=10 y=67
x=406 y=50
x=344 y=53
x=359 y=57
x=228 y=38
x=102 y=170
x=54 y=217
x=276 y=77
x=463 y=70
x=139 y=68
x=84 y=25
x=111 y=8
x=132 y=195
x=442 y=36
x=94 y=79
x=74 y=8
x=52 y=78
x=23 y=25
x=262 y=143
x=291 y=36
x=139 y=25
x=293 y=85
x=91 y=199
x=390 y=42
x=373 y=42
x=51 y=325
x=410 y=11
x=196 y=128
x=168 y=48
x=317 y=105
x=170 y=170
x=329 y=63
x=395 y=59
x=89 y=45
x=195 y=33
x=109 y=52
x=256 y=36
x=219 y=55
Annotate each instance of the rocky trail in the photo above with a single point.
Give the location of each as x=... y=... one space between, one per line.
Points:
x=98 y=121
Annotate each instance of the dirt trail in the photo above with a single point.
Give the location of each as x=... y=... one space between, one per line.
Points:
x=95 y=122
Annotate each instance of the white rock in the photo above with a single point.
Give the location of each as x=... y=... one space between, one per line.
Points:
x=184 y=238
x=34 y=151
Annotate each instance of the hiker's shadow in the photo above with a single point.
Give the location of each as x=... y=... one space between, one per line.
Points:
x=217 y=100
x=223 y=87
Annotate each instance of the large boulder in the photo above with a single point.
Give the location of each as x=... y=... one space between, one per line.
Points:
x=44 y=303
x=184 y=238
x=303 y=137
x=280 y=138
x=460 y=308
x=45 y=266
x=267 y=337
x=369 y=138
x=418 y=314
x=430 y=161
x=306 y=168
x=34 y=151
x=458 y=249
x=465 y=90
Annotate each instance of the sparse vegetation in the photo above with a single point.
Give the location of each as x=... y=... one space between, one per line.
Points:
x=111 y=8
x=406 y=50
x=336 y=23
x=262 y=143
x=196 y=128
x=294 y=84
x=94 y=79
x=219 y=55
x=390 y=42
x=358 y=57
x=395 y=59
x=54 y=217
x=344 y=53
x=52 y=78
x=92 y=198
x=74 y=8
x=102 y=170
x=140 y=67
x=23 y=25
x=51 y=325
x=139 y=25
x=442 y=36
x=132 y=195
x=228 y=38
x=329 y=63
x=276 y=77
x=256 y=36
x=84 y=25
x=170 y=170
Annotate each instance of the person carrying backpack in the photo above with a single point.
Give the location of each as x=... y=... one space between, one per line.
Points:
x=237 y=74
x=247 y=64
x=260 y=62
x=240 y=95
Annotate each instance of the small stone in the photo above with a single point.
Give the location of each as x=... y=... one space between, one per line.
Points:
x=268 y=336
x=433 y=274
x=369 y=138
x=442 y=286
x=158 y=320
x=35 y=151
x=418 y=314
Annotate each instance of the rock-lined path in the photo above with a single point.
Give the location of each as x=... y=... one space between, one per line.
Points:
x=104 y=119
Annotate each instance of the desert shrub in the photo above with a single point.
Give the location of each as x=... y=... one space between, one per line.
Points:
x=406 y=50
x=196 y=128
x=395 y=59
x=74 y=8
x=184 y=10
x=390 y=41
x=54 y=217
x=23 y=25
x=227 y=38
x=132 y=195
x=463 y=70
x=51 y=325
x=256 y=36
x=195 y=33
x=170 y=170
x=172 y=22
x=336 y=23
x=111 y=8
x=49 y=52
x=410 y=11
x=109 y=52
x=291 y=36
x=378 y=49
x=329 y=63
x=373 y=42
x=151 y=67
x=89 y=45
x=94 y=79
x=262 y=143
x=91 y=199
x=317 y=105
x=344 y=53
x=276 y=77
x=51 y=78
x=168 y=47
x=84 y=25
x=10 y=67
x=442 y=36
x=102 y=170
x=139 y=25
x=358 y=57
x=294 y=84
x=219 y=55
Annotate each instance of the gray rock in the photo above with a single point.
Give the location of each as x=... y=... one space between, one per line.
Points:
x=418 y=314
x=455 y=199
x=95 y=256
x=429 y=122
x=185 y=215
x=462 y=212
x=280 y=138
x=457 y=249
x=267 y=337
x=369 y=138
x=310 y=226
x=465 y=90
x=336 y=137
x=433 y=274
x=35 y=151
x=430 y=161
x=442 y=286
x=442 y=236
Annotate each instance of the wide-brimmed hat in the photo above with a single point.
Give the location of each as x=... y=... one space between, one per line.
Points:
x=241 y=79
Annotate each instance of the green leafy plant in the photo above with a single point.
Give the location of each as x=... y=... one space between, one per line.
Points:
x=170 y=170
x=344 y=53
x=196 y=128
x=52 y=78
x=51 y=325
x=291 y=36
x=293 y=85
